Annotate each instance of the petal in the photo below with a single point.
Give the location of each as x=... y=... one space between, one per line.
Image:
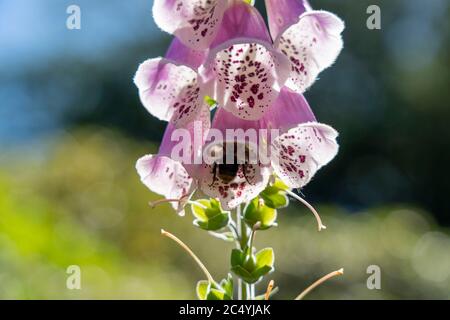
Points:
x=168 y=91
x=311 y=45
x=196 y=130
x=241 y=21
x=204 y=118
x=249 y=180
x=284 y=13
x=289 y=110
x=299 y=153
x=164 y=176
x=189 y=107
x=224 y=120
x=245 y=78
x=182 y=54
x=194 y=22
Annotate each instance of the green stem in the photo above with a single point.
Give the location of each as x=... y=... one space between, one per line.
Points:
x=243 y=290
x=243 y=232
x=252 y=291
x=252 y=238
x=241 y=244
x=234 y=227
x=238 y=227
x=248 y=288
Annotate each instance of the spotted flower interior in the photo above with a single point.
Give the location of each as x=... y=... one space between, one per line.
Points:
x=246 y=79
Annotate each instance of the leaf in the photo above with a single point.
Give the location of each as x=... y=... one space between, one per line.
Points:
x=257 y=211
x=202 y=289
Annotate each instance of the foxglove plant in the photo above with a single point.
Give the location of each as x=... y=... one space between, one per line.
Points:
x=224 y=57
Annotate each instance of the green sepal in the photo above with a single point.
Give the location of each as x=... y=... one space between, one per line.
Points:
x=265 y=257
x=251 y=268
x=276 y=200
x=280 y=185
x=217 y=294
x=274 y=195
x=227 y=285
x=257 y=211
x=237 y=257
x=222 y=291
x=202 y=289
x=210 y=102
x=243 y=274
x=212 y=218
x=260 y=272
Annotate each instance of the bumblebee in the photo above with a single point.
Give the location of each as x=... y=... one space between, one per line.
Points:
x=228 y=171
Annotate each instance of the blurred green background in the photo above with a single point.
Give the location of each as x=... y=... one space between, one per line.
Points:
x=72 y=127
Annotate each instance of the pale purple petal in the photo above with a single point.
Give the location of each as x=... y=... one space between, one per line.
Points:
x=182 y=54
x=243 y=72
x=165 y=176
x=168 y=91
x=241 y=21
x=197 y=131
x=224 y=120
x=194 y=22
x=311 y=45
x=284 y=13
x=289 y=110
x=300 y=152
x=167 y=144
